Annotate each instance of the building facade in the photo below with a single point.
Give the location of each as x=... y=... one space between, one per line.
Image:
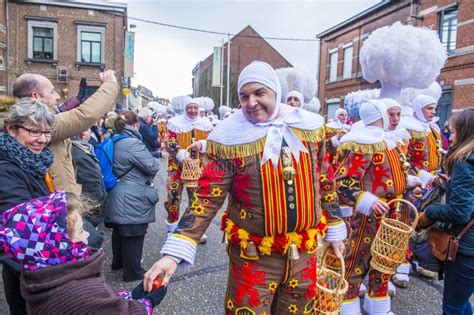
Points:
x=245 y=47
x=3 y=48
x=340 y=71
x=65 y=41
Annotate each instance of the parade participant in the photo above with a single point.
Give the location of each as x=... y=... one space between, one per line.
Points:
x=294 y=98
x=370 y=174
x=457 y=213
x=402 y=137
x=183 y=130
x=278 y=187
x=61 y=274
x=334 y=131
x=425 y=157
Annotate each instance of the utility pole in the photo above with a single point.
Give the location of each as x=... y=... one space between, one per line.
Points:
x=222 y=73
x=228 y=70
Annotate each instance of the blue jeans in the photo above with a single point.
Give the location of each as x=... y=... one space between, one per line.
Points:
x=458 y=286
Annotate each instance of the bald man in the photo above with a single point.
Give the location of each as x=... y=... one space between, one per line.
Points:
x=68 y=123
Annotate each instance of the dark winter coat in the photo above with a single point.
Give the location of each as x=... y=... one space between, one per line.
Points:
x=17 y=186
x=74 y=288
x=459 y=207
x=89 y=175
x=149 y=135
x=133 y=199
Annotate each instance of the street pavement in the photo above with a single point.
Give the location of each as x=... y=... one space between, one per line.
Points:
x=201 y=288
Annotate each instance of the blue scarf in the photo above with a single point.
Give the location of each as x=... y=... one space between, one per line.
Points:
x=34 y=164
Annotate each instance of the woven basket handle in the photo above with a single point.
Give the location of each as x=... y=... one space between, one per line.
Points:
x=343 y=268
x=412 y=206
x=188 y=149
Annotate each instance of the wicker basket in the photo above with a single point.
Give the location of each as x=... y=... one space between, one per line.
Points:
x=330 y=285
x=391 y=241
x=191 y=171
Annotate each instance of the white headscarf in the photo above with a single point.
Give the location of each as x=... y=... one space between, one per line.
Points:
x=276 y=128
x=261 y=72
x=183 y=123
x=336 y=123
x=294 y=93
x=400 y=133
x=373 y=110
x=420 y=102
x=370 y=111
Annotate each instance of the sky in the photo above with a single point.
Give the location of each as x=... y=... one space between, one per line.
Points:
x=165 y=57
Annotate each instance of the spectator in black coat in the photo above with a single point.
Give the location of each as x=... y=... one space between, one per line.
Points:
x=149 y=132
x=89 y=175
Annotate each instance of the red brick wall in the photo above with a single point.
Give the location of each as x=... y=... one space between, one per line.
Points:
x=458 y=67
x=67 y=44
x=243 y=50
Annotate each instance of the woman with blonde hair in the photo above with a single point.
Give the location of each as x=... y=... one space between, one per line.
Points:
x=457 y=213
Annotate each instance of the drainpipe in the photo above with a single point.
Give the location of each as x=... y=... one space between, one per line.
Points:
x=318 y=69
x=7 y=62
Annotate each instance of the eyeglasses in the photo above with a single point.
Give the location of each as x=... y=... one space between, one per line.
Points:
x=38 y=133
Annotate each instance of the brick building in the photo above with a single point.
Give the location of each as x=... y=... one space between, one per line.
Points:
x=245 y=47
x=65 y=41
x=3 y=48
x=340 y=71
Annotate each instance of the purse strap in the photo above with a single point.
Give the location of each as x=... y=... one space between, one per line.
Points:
x=465 y=229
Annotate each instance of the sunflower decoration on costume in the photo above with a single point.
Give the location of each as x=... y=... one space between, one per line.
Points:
x=216 y=192
x=292 y=308
x=366 y=240
x=389 y=183
x=243 y=214
x=230 y=304
x=198 y=209
x=343 y=170
x=358 y=271
x=272 y=287
x=426 y=163
x=293 y=284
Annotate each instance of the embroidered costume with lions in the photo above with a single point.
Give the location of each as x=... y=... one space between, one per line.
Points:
x=183 y=130
x=372 y=168
x=281 y=199
x=425 y=149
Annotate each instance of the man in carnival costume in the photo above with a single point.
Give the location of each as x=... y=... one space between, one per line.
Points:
x=425 y=153
x=370 y=174
x=274 y=175
x=183 y=130
x=294 y=98
x=334 y=131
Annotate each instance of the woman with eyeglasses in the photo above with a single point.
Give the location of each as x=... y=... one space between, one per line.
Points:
x=24 y=162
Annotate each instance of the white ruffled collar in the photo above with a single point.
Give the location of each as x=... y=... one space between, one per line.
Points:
x=370 y=135
x=236 y=129
x=336 y=124
x=181 y=124
x=412 y=123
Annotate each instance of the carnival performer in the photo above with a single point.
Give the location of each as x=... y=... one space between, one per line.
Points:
x=183 y=130
x=425 y=153
x=334 y=131
x=294 y=98
x=370 y=174
x=402 y=137
x=278 y=186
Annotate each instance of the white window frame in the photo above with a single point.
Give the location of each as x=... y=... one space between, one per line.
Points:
x=45 y=24
x=347 y=66
x=95 y=29
x=333 y=67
